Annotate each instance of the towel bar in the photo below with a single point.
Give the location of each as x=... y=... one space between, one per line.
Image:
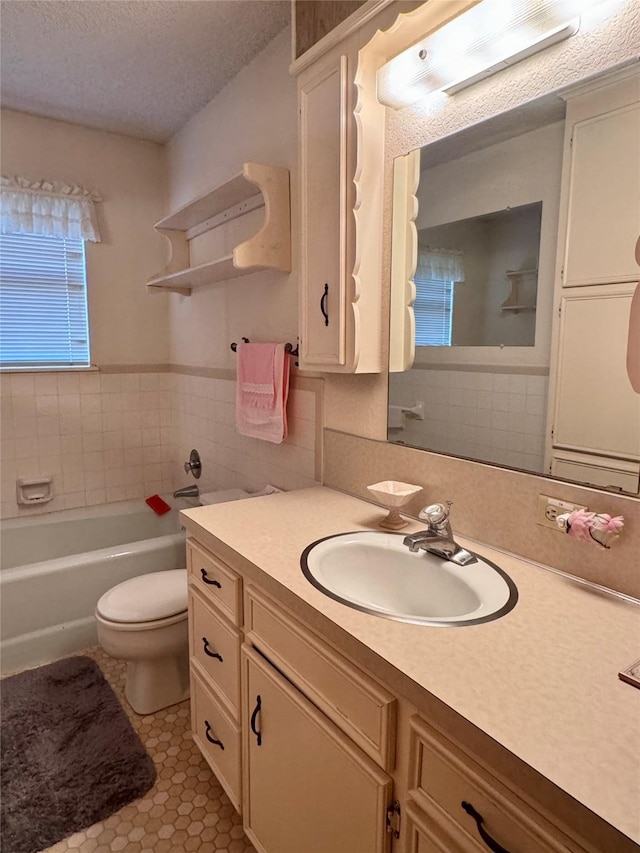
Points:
x=288 y=348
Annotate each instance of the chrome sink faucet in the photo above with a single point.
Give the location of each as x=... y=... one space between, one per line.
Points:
x=438 y=537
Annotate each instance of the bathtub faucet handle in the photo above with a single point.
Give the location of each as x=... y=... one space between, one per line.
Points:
x=193 y=465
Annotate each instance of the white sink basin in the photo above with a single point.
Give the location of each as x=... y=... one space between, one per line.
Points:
x=376 y=573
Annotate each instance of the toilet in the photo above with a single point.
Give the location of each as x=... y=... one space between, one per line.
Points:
x=144 y=621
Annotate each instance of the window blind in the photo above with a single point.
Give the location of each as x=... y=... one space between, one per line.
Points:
x=433 y=312
x=43 y=302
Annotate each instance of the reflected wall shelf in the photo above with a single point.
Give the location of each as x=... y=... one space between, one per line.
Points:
x=524 y=285
x=257 y=186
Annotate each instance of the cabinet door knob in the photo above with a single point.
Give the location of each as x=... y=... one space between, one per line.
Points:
x=207 y=733
x=256 y=711
x=323 y=304
x=491 y=843
x=208 y=580
x=208 y=651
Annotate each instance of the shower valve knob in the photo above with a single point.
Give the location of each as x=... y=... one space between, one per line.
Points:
x=193 y=465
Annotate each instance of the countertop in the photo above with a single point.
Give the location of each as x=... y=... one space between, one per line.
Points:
x=542 y=681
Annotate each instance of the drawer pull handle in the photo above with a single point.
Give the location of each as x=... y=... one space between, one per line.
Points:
x=203 y=572
x=491 y=843
x=323 y=304
x=208 y=651
x=256 y=711
x=207 y=732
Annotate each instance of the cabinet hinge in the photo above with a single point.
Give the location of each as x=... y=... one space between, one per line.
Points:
x=393 y=819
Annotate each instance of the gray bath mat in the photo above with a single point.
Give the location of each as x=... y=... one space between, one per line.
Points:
x=70 y=757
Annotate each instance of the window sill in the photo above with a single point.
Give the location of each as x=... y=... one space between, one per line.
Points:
x=21 y=370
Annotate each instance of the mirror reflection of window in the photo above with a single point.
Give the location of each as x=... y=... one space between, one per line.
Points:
x=479 y=287
x=437 y=271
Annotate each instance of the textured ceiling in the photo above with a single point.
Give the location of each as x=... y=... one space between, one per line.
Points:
x=138 y=67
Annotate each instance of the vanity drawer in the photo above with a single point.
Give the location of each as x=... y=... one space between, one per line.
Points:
x=435 y=832
x=216 y=648
x=442 y=777
x=218 y=739
x=221 y=586
x=354 y=702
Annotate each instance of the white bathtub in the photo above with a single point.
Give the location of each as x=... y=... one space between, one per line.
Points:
x=55 y=567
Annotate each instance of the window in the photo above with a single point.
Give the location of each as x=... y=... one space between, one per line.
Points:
x=433 y=311
x=43 y=302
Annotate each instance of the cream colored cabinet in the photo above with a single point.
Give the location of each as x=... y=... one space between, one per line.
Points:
x=323 y=100
x=308 y=787
x=303 y=750
x=596 y=413
x=339 y=317
x=455 y=805
x=215 y=614
x=603 y=182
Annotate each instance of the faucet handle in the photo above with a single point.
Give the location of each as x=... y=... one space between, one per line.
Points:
x=193 y=465
x=436 y=514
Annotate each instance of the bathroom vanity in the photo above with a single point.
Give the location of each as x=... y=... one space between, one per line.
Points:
x=333 y=729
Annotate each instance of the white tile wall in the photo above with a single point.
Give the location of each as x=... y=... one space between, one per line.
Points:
x=497 y=417
x=117 y=436
x=203 y=417
x=95 y=434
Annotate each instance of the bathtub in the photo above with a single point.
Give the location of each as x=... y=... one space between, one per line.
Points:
x=55 y=567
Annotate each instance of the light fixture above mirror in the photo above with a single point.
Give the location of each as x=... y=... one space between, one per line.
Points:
x=489 y=37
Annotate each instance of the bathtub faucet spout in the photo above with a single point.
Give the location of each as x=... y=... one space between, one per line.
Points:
x=187 y=492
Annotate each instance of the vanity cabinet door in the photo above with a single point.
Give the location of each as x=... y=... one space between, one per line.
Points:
x=307 y=786
x=323 y=101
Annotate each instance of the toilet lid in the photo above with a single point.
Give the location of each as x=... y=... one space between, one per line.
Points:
x=145 y=598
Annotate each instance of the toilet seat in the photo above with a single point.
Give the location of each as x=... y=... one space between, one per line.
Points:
x=151 y=625
x=158 y=598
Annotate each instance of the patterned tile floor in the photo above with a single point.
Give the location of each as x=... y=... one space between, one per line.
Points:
x=186 y=810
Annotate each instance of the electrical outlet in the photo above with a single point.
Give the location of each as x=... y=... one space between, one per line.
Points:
x=550 y=508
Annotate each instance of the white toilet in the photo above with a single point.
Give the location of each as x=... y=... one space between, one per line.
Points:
x=144 y=621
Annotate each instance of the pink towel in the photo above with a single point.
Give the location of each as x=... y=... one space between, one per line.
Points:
x=262 y=388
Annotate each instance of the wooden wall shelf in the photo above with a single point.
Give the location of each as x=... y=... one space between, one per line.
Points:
x=258 y=185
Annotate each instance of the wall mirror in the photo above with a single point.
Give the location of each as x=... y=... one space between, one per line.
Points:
x=478 y=219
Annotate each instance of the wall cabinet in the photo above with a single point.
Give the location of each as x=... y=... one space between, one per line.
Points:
x=255 y=187
x=303 y=739
x=596 y=412
x=339 y=315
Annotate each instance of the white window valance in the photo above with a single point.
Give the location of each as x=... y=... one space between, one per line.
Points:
x=48 y=209
x=440 y=265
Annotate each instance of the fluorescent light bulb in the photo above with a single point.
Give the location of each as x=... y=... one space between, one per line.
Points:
x=489 y=37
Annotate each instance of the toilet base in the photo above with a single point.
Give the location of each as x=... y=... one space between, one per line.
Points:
x=152 y=685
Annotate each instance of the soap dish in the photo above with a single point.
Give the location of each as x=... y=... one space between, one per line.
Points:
x=392 y=495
